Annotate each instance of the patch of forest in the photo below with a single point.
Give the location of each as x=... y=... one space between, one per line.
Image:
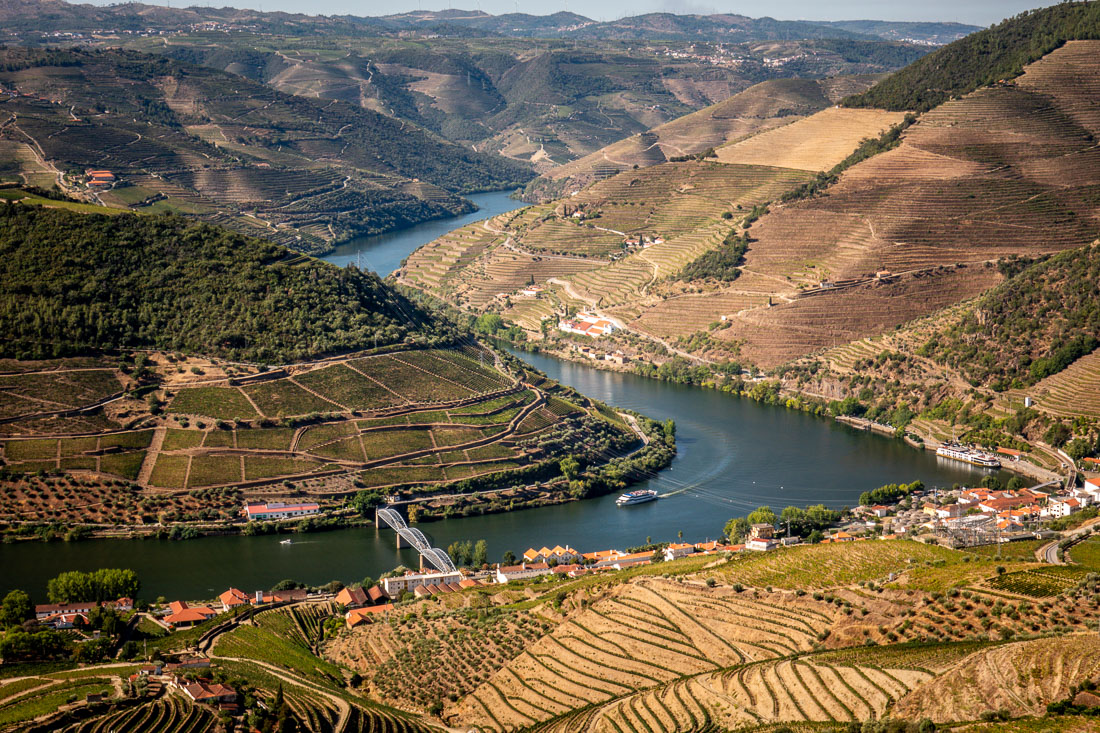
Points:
x=983 y=58
x=73 y=283
x=1036 y=323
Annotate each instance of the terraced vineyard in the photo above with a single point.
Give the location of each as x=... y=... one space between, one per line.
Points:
x=815 y=143
x=1073 y=391
x=1020 y=678
x=171 y=714
x=761 y=107
x=646 y=634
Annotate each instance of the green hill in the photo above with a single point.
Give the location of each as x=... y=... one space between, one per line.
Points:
x=983 y=58
x=221 y=147
x=1031 y=326
x=73 y=283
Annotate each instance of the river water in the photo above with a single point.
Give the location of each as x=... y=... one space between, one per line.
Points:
x=383 y=253
x=734 y=455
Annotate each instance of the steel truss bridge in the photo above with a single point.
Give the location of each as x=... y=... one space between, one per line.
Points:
x=411 y=537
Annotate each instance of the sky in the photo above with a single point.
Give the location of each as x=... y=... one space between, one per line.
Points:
x=974 y=12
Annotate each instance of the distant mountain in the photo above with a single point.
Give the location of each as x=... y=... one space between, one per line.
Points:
x=219 y=146
x=931 y=33
x=54 y=16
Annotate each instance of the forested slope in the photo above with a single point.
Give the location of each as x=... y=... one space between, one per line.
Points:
x=980 y=59
x=73 y=283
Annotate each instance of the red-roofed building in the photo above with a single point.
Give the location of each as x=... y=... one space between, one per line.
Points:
x=352 y=597
x=679 y=549
x=278 y=510
x=356 y=616
x=209 y=693
x=185 y=615
x=233 y=598
x=506 y=573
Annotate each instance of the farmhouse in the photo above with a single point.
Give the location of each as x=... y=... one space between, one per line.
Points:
x=279 y=510
x=352 y=597
x=411 y=581
x=232 y=598
x=184 y=615
x=506 y=573
x=356 y=616
x=678 y=549
x=210 y=693
x=586 y=324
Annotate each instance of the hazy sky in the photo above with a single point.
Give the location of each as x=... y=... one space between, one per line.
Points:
x=976 y=12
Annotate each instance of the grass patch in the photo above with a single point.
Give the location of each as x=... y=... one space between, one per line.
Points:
x=284 y=398
x=30 y=450
x=126 y=465
x=182 y=439
x=170 y=472
x=454 y=436
x=383 y=443
x=258 y=467
x=211 y=470
x=265 y=438
x=348 y=387
x=223 y=403
x=824 y=566
x=250 y=642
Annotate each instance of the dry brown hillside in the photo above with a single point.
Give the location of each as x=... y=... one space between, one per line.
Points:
x=1011 y=169
x=762 y=107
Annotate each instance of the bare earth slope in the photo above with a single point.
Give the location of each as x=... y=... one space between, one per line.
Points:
x=1011 y=169
x=762 y=107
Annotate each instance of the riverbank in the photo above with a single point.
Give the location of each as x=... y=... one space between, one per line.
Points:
x=779 y=392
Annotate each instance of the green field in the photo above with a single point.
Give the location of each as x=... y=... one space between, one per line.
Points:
x=345 y=386
x=282 y=398
x=182 y=439
x=256 y=467
x=1087 y=554
x=223 y=403
x=213 y=470
x=170 y=471
x=384 y=443
x=127 y=465
x=265 y=438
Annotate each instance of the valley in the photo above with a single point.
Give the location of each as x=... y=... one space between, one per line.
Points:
x=770 y=408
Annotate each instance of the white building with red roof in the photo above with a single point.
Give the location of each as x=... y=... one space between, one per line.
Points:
x=278 y=510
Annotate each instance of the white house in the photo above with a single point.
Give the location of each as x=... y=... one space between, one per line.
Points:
x=411 y=581
x=279 y=510
x=1061 y=507
x=761 y=544
x=506 y=573
x=678 y=549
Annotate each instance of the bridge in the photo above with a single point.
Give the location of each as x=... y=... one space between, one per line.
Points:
x=412 y=537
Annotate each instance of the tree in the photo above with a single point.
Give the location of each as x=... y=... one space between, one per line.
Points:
x=762 y=515
x=509 y=558
x=570 y=467
x=481 y=554
x=737 y=529
x=106 y=584
x=16 y=609
x=488 y=323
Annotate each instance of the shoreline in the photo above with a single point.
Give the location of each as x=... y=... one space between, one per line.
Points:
x=807 y=402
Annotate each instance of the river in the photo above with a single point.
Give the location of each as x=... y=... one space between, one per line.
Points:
x=383 y=253
x=734 y=455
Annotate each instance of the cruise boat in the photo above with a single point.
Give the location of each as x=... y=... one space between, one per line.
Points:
x=636 y=497
x=972 y=456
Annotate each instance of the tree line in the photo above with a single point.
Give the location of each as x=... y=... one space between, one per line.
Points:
x=83 y=283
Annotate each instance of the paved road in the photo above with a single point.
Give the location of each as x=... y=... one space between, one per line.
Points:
x=1048 y=553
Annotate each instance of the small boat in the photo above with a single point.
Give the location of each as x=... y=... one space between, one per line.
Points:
x=286 y=542
x=636 y=497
